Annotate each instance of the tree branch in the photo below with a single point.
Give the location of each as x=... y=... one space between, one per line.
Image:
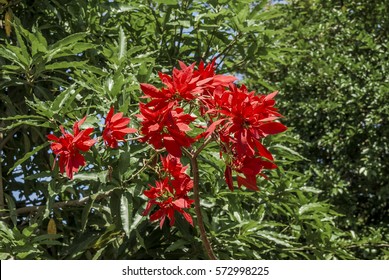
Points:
x=2 y=205
x=63 y=204
x=196 y=193
x=227 y=48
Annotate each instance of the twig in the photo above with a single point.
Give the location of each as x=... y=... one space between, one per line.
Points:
x=63 y=204
x=227 y=48
x=202 y=146
x=146 y=165
x=1 y=181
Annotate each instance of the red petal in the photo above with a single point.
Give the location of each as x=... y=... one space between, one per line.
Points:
x=180 y=203
x=263 y=152
x=150 y=90
x=117 y=117
x=273 y=128
x=122 y=122
x=270 y=96
x=228 y=176
x=249 y=182
x=212 y=127
x=188 y=218
x=52 y=137
x=223 y=80
x=109 y=115
x=172 y=147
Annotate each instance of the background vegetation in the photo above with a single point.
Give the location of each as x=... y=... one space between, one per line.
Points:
x=62 y=60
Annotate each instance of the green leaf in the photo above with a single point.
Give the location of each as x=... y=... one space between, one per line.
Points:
x=277 y=238
x=315 y=206
x=64 y=99
x=22 y=117
x=85 y=213
x=71 y=39
x=12 y=208
x=122 y=44
x=167 y=2
x=64 y=65
x=6 y=230
x=28 y=231
x=124 y=214
x=19 y=123
x=45 y=237
x=90 y=176
x=22 y=45
x=180 y=243
x=28 y=155
x=288 y=153
x=15 y=55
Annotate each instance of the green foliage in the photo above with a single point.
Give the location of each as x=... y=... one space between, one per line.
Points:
x=68 y=59
x=335 y=90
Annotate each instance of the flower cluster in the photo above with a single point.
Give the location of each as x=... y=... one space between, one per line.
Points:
x=243 y=120
x=239 y=119
x=68 y=146
x=164 y=122
x=170 y=193
x=236 y=118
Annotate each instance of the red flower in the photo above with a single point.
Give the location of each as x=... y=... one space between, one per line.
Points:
x=172 y=165
x=246 y=119
x=115 y=128
x=185 y=84
x=68 y=146
x=242 y=120
x=170 y=196
x=166 y=127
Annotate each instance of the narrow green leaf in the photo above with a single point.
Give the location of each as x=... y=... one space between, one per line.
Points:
x=45 y=237
x=65 y=65
x=12 y=208
x=22 y=117
x=31 y=123
x=167 y=2
x=28 y=231
x=74 y=38
x=277 y=238
x=22 y=44
x=28 y=155
x=122 y=44
x=176 y=245
x=124 y=214
x=90 y=176
x=15 y=55
x=85 y=213
x=314 y=206
x=64 y=99
x=6 y=230
x=289 y=152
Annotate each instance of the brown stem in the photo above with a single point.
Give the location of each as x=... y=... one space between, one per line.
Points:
x=1 y=185
x=196 y=192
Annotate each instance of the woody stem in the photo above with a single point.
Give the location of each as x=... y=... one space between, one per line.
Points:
x=200 y=222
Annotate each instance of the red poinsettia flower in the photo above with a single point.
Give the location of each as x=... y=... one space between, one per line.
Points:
x=247 y=168
x=68 y=146
x=245 y=119
x=170 y=195
x=115 y=128
x=186 y=84
x=173 y=166
x=166 y=127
